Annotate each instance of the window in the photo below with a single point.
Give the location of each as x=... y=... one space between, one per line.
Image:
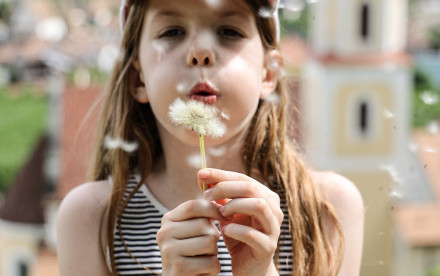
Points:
x=363 y=117
x=23 y=269
x=365 y=22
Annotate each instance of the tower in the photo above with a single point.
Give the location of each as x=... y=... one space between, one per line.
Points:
x=357 y=88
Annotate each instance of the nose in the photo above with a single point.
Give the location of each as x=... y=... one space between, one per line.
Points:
x=201 y=53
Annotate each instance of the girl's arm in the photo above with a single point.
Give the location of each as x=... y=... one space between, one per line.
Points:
x=79 y=219
x=348 y=205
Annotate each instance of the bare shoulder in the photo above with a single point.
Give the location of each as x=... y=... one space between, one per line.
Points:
x=347 y=202
x=340 y=192
x=78 y=229
x=89 y=196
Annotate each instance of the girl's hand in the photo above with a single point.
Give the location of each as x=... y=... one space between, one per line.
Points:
x=254 y=218
x=188 y=239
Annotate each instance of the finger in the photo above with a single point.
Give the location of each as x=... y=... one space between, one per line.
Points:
x=249 y=187
x=213 y=176
x=196 y=246
x=257 y=208
x=202 y=265
x=199 y=208
x=192 y=228
x=242 y=189
x=259 y=242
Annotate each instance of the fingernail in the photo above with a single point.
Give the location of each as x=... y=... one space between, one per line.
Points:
x=203 y=173
x=207 y=194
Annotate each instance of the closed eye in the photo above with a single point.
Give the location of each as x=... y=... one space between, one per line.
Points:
x=230 y=33
x=171 y=33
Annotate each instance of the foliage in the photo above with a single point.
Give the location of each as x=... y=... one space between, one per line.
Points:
x=299 y=26
x=23 y=119
x=424 y=113
x=435 y=271
x=434 y=38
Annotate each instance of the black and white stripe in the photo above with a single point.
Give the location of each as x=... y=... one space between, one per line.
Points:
x=139 y=224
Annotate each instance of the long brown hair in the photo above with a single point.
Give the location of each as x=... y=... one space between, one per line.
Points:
x=266 y=151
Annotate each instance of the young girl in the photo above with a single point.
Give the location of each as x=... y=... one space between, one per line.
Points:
x=265 y=212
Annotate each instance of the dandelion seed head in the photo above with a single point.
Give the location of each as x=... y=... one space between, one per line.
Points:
x=197 y=116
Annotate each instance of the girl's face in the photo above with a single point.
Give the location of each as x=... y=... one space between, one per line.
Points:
x=204 y=50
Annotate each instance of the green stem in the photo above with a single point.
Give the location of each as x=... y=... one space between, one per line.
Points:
x=202 y=155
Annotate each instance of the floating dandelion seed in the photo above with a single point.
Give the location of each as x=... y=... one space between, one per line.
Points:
x=199 y=117
x=388 y=114
x=429 y=97
x=217 y=151
x=395 y=194
x=393 y=172
x=194 y=160
x=432 y=127
x=273 y=98
x=184 y=86
x=213 y=3
x=114 y=143
x=265 y=12
x=225 y=115
x=160 y=48
x=429 y=149
x=293 y=5
x=413 y=147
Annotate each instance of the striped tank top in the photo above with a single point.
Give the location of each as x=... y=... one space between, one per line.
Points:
x=140 y=222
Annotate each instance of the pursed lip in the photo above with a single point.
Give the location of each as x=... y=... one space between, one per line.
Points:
x=204 y=92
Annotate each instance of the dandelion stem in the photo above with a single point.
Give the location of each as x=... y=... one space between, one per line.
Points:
x=202 y=155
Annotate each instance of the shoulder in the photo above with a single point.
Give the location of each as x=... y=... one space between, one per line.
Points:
x=84 y=201
x=78 y=229
x=348 y=205
x=340 y=192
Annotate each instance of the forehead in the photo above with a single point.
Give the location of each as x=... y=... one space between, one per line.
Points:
x=201 y=8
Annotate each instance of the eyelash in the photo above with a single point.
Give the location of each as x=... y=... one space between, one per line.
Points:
x=229 y=33
x=171 y=33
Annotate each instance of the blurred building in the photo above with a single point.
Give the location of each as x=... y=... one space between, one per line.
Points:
x=57 y=46
x=358 y=88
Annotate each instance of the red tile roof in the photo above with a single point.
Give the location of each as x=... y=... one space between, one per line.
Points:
x=419 y=224
x=77 y=136
x=23 y=200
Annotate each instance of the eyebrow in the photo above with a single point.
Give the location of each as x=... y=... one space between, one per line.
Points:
x=233 y=14
x=221 y=14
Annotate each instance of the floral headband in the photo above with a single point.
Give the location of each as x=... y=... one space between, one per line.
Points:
x=271 y=10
